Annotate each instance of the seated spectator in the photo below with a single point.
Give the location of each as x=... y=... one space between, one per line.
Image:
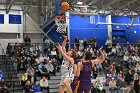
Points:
x=128 y=77
x=136 y=82
x=136 y=58
x=39 y=59
x=53 y=53
x=81 y=47
x=118 y=68
x=46 y=58
x=43 y=71
x=76 y=41
x=54 y=63
x=28 y=87
x=3 y=87
x=99 y=86
x=30 y=72
x=120 y=76
x=49 y=67
x=24 y=79
x=21 y=65
x=95 y=72
x=85 y=43
x=112 y=86
x=125 y=59
x=138 y=66
x=36 y=87
x=105 y=67
x=44 y=84
x=113 y=51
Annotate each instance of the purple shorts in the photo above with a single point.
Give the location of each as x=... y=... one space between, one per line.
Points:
x=84 y=87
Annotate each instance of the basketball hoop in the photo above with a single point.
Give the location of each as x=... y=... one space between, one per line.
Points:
x=60 y=21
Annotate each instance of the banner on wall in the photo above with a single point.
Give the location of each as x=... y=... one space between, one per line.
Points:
x=1 y=18
x=14 y=19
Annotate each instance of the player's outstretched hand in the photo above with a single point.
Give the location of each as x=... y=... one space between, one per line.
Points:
x=100 y=48
x=65 y=37
x=59 y=47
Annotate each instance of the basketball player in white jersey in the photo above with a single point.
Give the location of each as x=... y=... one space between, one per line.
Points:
x=66 y=68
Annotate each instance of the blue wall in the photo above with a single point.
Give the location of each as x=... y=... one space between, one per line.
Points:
x=81 y=27
x=131 y=37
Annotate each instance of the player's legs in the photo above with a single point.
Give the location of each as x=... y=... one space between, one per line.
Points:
x=67 y=82
x=62 y=88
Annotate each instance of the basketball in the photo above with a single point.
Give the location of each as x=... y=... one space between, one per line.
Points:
x=64 y=6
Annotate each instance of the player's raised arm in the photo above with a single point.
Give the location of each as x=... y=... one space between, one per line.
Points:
x=100 y=59
x=64 y=43
x=69 y=58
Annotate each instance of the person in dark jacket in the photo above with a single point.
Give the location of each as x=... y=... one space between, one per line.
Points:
x=128 y=77
x=28 y=87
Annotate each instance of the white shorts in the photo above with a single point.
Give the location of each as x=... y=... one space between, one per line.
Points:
x=66 y=75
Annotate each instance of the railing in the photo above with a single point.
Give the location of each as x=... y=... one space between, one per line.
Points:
x=6 y=62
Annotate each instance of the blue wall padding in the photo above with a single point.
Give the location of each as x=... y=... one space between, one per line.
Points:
x=81 y=27
x=131 y=37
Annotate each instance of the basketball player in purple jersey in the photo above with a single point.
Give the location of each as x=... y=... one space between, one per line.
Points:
x=84 y=70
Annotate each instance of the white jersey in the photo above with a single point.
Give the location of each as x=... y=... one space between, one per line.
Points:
x=66 y=67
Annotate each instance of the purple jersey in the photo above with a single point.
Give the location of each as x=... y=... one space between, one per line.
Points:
x=85 y=78
x=85 y=74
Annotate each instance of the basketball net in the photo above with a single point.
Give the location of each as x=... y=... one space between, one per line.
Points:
x=60 y=21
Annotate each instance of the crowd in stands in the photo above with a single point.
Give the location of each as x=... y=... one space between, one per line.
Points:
x=121 y=66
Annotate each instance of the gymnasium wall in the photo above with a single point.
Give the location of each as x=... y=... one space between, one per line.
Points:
x=85 y=27
x=129 y=31
x=12 y=33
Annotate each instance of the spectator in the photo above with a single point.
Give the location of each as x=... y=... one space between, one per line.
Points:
x=113 y=86
x=114 y=42
x=85 y=43
x=99 y=86
x=136 y=81
x=27 y=41
x=108 y=45
x=95 y=40
x=30 y=72
x=118 y=68
x=49 y=67
x=125 y=59
x=76 y=41
x=136 y=58
x=90 y=42
x=95 y=72
x=24 y=79
x=128 y=77
x=54 y=63
x=36 y=87
x=113 y=51
x=46 y=58
x=53 y=53
x=81 y=47
x=28 y=87
x=48 y=52
x=3 y=87
x=138 y=66
x=39 y=59
x=44 y=84
x=9 y=50
x=105 y=67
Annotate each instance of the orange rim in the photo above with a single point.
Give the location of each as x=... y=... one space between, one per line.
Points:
x=62 y=17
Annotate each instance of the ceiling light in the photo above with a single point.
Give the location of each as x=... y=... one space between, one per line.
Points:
x=79 y=3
